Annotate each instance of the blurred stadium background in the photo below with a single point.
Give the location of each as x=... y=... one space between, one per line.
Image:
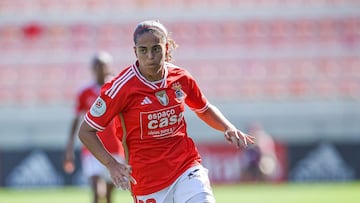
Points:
x=292 y=66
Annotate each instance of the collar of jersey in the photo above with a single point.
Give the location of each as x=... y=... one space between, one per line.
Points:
x=152 y=85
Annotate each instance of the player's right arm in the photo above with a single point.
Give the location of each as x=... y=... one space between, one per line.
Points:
x=120 y=173
x=69 y=157
x=88 y=137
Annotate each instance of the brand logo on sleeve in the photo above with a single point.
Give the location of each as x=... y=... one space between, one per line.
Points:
x=98 y=108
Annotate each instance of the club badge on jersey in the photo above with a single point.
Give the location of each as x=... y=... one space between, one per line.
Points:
x=162 y=97
x=179 y=93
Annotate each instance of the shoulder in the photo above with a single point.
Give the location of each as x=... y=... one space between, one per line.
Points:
x=125 y=73
x=123 y=76
x=119 y=82
x=174 y=69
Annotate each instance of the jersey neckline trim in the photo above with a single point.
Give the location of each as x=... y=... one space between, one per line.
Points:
x=153 y=85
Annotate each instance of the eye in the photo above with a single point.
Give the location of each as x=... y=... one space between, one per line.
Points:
x=157 y=49
x=142 y=51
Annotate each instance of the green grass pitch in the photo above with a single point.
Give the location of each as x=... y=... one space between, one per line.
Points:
x=248 y=193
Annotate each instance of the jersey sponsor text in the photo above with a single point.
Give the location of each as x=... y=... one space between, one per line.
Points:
x=162 y=123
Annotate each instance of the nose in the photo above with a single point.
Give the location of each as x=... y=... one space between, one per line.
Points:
x=150 y=55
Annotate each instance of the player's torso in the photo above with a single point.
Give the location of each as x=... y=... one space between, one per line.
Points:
x=154 y=125
x=156 y=132
x=155 y=113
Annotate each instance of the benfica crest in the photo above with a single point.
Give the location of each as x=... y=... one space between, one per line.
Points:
x=162 y=97
x=179 y=93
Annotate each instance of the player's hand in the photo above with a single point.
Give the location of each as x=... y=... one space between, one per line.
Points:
x=121 y=175
x=68 y=163
x=69 y=167
x=238 y=138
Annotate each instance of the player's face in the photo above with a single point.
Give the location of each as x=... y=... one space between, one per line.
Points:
x=150 y=51
x=102 y=70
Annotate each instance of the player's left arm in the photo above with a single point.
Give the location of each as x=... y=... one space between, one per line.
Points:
x=216 y=119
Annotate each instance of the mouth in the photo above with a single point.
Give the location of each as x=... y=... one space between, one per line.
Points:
x=152 y=65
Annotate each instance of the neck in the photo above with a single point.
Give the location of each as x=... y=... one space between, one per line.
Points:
x=100 y=82
x=152 y=75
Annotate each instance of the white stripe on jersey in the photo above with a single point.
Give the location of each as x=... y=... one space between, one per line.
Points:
x=164 y=83
x=142 y=79
x=134 y=71
x=92 y=124
x=151 y=84
x=118 y=83
x=202 y=109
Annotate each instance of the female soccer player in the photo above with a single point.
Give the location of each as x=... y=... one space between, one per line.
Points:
x=149 y=97
x=97 y=174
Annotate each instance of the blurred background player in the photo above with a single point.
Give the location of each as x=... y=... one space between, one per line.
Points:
x=260 y=161
x=99 y=178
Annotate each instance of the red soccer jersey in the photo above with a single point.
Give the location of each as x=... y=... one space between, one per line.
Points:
x=153 y=118
x=85 y=99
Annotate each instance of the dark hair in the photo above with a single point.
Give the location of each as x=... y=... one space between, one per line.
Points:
x=156 y=27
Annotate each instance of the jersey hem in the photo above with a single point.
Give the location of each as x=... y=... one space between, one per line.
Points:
x=140 y=192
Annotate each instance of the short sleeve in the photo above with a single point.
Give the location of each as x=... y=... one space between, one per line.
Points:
x=104 y=109
x=195 y=99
